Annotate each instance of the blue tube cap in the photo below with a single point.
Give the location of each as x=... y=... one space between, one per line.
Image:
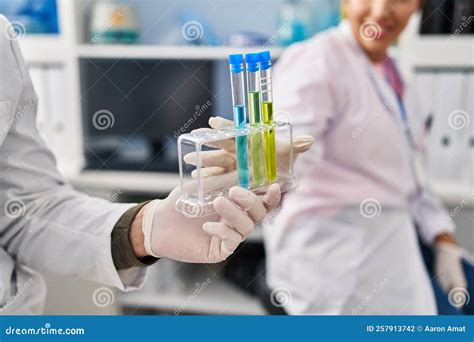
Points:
x=265 y=60
x=252 y=60
x=236 y=62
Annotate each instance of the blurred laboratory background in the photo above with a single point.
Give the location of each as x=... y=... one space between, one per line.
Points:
x=118 y=81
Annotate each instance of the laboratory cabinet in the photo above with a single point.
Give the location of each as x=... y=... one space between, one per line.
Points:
x=446 y=97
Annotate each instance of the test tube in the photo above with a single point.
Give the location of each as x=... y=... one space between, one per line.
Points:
x=236 y=63
x=267 y=114
x=255 y=119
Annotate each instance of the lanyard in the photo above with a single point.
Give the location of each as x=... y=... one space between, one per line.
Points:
x=402 y=110
x=406 y=125
x=406 y=129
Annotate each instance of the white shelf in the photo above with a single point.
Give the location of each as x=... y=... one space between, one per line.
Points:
x=165 y=52
x=219 y=297
x=439 y=51
x=43 y=48
x=132 y=182
x=163 y=182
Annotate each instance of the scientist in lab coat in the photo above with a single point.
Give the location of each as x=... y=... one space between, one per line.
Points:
x=346 y=241
x=46 y=226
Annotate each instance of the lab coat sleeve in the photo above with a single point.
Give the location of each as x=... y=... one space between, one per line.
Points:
x=429 y=213
x=45 y=224
x=304 y=89
x=431 y=216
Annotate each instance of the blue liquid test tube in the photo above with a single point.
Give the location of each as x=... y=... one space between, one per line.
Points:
x=236 y=63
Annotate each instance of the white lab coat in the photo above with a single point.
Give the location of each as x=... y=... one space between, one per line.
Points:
x=345 y=241
x=45 y=226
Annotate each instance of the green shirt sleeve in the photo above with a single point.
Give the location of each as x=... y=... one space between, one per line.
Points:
x=122 y=251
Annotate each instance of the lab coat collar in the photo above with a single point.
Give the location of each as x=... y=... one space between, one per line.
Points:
x=346 y=30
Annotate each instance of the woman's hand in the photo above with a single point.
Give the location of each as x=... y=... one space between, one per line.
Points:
x=223 y=159
x=447 y=263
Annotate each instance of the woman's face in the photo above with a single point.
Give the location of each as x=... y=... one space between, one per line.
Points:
x=378 y=23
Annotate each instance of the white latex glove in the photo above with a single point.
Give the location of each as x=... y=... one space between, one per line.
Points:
x=168 y=233
x=448 y=266
x=224 y=160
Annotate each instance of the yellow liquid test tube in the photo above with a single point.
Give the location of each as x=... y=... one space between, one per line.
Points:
x=269 y=142
x=267 y=114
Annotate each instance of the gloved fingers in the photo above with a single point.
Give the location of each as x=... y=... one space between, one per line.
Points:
x=217 y=182
x=272 y=198
x=230 y=238
x=302 y=143
x=201 y=129
x=218 y=122
x=209 y=171
x=225 y=250
x=226 y=144
x=249 y=202
x=448 y=266
x=218 y=158
x=234 y=215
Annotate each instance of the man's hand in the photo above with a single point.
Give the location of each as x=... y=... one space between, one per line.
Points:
x=207 y=239
x=447 y=263
x=168 y=233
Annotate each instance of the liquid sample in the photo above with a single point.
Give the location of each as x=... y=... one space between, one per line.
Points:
x=256 y=141
x=269 y=140
x=241 y=147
